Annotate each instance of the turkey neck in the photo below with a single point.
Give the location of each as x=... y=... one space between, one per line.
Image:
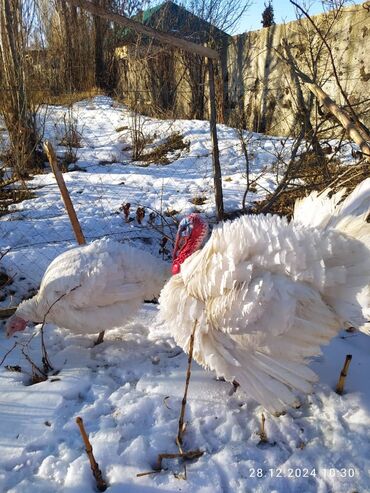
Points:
x=28 y=310
x=192 y=244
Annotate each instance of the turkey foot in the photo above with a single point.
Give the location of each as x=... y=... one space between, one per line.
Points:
x=234 y=383
x=182 y=425
x=100 y=338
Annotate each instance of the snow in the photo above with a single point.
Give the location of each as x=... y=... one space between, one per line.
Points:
x=128 y=390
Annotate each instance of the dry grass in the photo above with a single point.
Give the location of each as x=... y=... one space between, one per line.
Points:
x=67 y=99
x=199 y=200
x=159 y=155
x=171 y=212
x=311 y=172
x=72 y=139
x=311 y=177
x=13 y=196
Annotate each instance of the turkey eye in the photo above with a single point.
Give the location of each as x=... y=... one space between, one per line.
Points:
x=186 y=230
x=184 y=227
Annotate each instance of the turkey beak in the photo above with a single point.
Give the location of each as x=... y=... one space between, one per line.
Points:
x=15 y=324
x=176 y=247
x=180 y=239
x=179 y=242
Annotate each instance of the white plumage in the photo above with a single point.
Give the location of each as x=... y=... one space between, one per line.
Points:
x=268 y=293
x=95 y=287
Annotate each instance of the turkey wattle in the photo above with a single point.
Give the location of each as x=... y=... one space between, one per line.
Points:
x=92 y=288
x=267 y=293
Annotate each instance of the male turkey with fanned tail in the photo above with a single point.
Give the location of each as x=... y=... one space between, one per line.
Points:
x=267 y=293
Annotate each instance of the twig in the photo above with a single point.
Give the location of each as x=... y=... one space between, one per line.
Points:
x=141 y=474
x=181 y=428
x=247 y=166
x=34 y=366
x=8 y=352
x=64 y=193
x=100 y=483
x=343 y=374
x=192 y=454
x=164 y=221
x=288 y=175
x=348 y=179
x=45 y=358
x=8 y=182
x=2 y=254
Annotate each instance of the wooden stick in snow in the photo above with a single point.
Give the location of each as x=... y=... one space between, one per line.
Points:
x=68 y=205
x=181 y=428
x=190 y=455
x=65 y=194
x=100 y=483
x=262 y=432
x=343 y=375
x=217 y=177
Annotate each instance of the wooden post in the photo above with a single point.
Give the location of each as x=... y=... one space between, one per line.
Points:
x=343 y=375
x=220 y=94
x=262 y=432
x=64 y=192
x=217 y=178
x=100 y=483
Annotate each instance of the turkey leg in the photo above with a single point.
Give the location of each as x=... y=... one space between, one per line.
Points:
x=234 y=383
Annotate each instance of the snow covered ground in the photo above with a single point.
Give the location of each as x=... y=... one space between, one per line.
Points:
x=128 y=390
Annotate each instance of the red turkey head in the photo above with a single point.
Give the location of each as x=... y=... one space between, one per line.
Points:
x=15 y=324
x=190 y=235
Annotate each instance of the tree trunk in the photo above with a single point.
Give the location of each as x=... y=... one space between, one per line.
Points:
x=16 y=108
x=100 y=27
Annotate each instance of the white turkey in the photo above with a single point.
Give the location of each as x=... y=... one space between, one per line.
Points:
x=267 y=293
x=92 y=288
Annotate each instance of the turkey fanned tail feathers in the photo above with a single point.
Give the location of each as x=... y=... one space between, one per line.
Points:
x=268 y=294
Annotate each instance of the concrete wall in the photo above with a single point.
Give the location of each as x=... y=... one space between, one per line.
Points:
x=261 y=88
